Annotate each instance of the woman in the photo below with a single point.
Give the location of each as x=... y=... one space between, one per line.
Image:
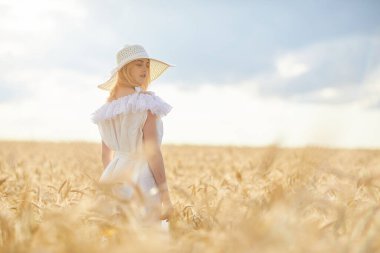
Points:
x=131 y=129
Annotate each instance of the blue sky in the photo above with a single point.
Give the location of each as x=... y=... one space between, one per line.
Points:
x=247 y=72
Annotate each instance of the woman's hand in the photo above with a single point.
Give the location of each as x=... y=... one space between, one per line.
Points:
x=167 y=207
x=167 y=210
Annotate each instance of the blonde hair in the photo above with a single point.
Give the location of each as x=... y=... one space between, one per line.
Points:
x=124 y=76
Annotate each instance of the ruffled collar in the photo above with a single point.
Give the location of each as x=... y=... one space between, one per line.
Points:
x=132 y=103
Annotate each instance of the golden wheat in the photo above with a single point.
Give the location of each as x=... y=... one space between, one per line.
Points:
x=226 y=199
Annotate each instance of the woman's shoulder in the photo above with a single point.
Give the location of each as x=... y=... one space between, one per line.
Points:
x=149 y=100
x=132 y=103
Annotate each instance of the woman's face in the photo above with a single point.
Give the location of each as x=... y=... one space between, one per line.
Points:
x=139 y=70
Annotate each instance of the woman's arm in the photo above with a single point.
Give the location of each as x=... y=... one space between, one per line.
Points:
x=106 y=155
x=154 y=156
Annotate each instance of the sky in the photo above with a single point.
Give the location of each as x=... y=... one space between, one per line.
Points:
x=252 y=73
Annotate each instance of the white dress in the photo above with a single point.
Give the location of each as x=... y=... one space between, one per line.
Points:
x=120 y=123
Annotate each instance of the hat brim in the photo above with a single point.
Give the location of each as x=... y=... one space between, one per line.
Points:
x=157 y=67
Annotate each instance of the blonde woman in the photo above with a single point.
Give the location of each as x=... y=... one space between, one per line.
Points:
x=131 y=130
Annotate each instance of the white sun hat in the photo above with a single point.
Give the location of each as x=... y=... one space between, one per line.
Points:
x=130 y=53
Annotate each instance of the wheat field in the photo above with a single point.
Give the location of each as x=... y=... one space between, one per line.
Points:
x=226 y=199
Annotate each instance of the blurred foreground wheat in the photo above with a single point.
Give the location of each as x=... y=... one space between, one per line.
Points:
x=226 y=199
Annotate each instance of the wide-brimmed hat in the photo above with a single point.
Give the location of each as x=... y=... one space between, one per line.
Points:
x=130 y=53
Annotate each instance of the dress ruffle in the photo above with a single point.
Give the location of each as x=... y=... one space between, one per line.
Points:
x=135 y=102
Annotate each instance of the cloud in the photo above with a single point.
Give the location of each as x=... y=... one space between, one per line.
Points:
x=343 y=70
x=29 y=30
x=229 y=115
x=53 y=107
x=290 y=67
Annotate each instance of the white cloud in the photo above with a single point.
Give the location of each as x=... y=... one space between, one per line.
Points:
x=28 y=29
x=54 y=107
x=40 y=16
x=342 y=70
x=328 y=93
x=230 y=115
x=288 y=66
